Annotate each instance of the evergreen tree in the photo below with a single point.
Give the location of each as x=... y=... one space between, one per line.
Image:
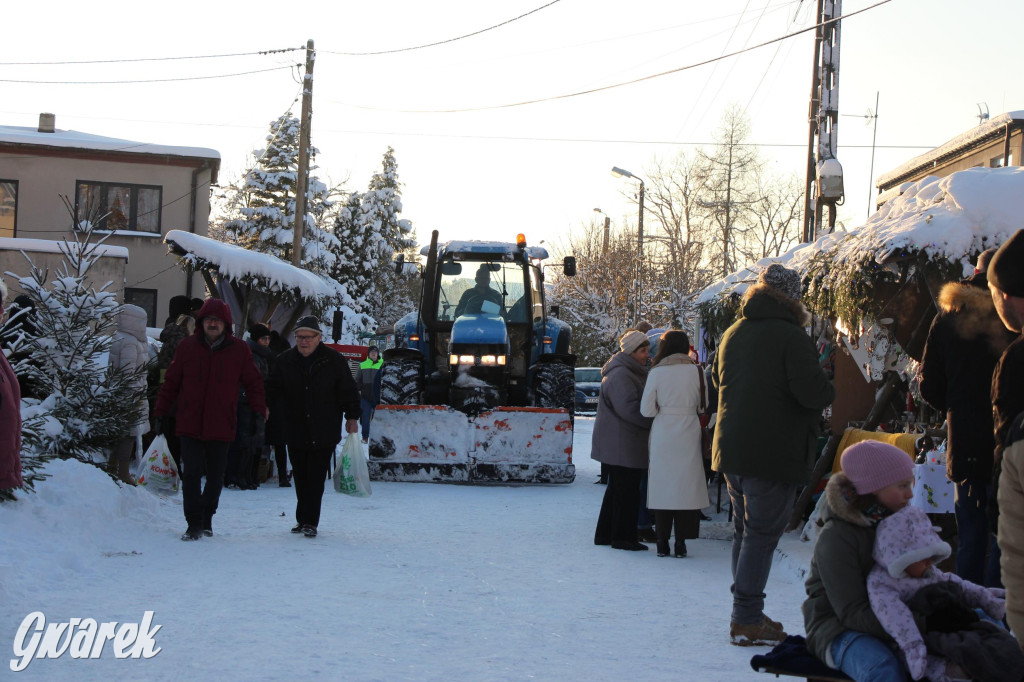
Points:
x=87 y=406
x=262 y=205
x=358 y=251
x=370 y=233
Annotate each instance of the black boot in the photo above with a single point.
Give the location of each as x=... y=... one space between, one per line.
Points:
x=284 y=480
x=663 y=548
x=680 y=549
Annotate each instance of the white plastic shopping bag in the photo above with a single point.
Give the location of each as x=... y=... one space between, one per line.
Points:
x=157 y=471
x=353 y=476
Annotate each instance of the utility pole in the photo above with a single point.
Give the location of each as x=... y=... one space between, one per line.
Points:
x=305 y=121
x=824 y=173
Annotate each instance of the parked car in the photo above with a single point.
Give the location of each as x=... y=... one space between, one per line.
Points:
x=588 y=388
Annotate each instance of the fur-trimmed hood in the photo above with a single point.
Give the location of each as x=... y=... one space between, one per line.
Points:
x=907 y=537
x=976 y=314
x=674 y=359
x=838 y=492
x=762 y=301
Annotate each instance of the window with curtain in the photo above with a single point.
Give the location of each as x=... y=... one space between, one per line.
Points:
x=112 y=206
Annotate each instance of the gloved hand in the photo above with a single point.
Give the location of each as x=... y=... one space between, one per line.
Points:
x=160 y=428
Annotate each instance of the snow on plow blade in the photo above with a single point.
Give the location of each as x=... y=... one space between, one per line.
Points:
x=433 y=443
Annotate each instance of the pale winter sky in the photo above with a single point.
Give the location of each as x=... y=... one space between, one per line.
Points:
x=491 y=170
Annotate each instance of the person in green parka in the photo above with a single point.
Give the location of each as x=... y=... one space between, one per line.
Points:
x=771 y=393
x=369 y=387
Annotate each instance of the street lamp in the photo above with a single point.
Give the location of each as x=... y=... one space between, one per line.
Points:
x=607 y=229
x=621 y=173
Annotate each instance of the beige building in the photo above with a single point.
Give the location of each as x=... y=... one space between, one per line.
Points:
x=995 y=143
x=133 y=191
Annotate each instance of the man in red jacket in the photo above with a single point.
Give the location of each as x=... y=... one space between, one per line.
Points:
x=201 y=390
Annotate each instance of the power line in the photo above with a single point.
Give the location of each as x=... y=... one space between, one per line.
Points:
x=591 y=91
x=443 y=42
x=149 y=80
x=155 y=59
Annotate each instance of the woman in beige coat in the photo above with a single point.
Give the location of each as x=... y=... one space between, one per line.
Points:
x=677 y=488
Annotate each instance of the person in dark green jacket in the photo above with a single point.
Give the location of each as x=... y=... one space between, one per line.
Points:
x=771 y=392
x=368 y=381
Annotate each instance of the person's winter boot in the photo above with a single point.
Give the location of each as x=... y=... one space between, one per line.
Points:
x=192 y=533
x=755 y=634
x=646 y=535
x=124 y=472
x=309 y=531
x=681 y=552
x=284 y=480
x=208 y=526
x=663 y=548
x=297 y=528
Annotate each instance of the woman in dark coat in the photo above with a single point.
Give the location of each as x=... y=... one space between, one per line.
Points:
x=620 y=441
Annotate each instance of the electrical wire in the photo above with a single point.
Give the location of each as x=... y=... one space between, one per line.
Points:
x=614 y=86
x=147 y=80
x=443 y=42
x=154 y=59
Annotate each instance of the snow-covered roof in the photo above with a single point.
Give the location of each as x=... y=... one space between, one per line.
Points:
x=73 y=139
x=237 y=263
x=52 y=246
x=486 y=247
x=966 y=139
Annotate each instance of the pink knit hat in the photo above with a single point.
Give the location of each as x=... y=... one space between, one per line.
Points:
x=871 y=466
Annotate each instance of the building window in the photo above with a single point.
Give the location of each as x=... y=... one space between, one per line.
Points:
x=145 y=299
x=996 y=162
x=8 y=207
x=121 y=206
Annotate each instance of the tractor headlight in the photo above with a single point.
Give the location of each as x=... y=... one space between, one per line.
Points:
x=467 y=360
x=492 y=360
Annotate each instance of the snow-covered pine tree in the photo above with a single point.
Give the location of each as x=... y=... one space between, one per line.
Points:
x=388 y=296
x=261 y=206
x=87 y=405
x=357 y=252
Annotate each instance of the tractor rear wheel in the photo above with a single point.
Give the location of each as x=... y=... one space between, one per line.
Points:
x=554 y=385
x=401 y=381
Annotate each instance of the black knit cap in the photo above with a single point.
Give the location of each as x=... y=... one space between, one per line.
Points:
x=1006 y=271
x=258 y=331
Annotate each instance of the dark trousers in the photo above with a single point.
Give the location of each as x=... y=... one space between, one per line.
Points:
x=687 y=523
x=616 y=524
x=366 y=416
x=281 y=458
x=977 y=554
x=309 y=471
x=200 y=504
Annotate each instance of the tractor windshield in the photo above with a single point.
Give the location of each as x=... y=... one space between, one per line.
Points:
x=488 y=287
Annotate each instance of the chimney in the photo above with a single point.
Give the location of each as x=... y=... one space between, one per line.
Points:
x=46 y=123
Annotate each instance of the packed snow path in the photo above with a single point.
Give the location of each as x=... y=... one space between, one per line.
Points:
x=417 y=582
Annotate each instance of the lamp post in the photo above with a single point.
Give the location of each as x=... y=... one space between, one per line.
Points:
x=621 y=173
x=607 y=229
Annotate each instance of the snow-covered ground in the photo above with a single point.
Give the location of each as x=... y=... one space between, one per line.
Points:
x=417 y=582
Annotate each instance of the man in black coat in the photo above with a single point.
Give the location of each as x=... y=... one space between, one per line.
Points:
x=312 y=386
x=964 y=343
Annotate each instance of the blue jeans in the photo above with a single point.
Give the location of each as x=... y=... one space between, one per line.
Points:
x=974 y=539
x=866 y=658
x=365 y=417
x=760 y=512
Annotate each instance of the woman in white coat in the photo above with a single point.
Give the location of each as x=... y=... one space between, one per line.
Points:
x=129 y=350
x=677 y=488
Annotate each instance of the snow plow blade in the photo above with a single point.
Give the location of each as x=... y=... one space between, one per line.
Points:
x=431 y=443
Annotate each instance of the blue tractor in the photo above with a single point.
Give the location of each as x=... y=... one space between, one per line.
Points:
x=479 y=387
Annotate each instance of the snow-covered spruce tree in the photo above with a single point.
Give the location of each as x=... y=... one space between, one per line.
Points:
x=86 y=405
x=261 y=206
x=357 y=252
x=385 y=234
